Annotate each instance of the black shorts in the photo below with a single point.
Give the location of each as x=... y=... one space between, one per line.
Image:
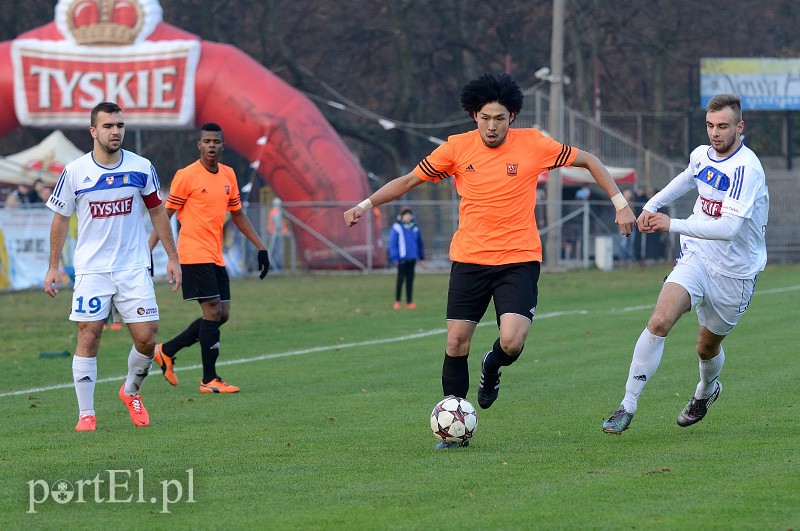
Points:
x=205 y=281
x=514 y=288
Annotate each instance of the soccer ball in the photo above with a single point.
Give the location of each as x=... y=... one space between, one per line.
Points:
x=453 y=420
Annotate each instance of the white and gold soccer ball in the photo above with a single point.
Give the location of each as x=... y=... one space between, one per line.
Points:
x=453 y=420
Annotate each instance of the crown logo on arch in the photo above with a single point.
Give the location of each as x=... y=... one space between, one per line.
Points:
x=107 y=22
x=104 y=21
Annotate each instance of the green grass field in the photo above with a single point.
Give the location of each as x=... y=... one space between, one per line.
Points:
x=331 y=427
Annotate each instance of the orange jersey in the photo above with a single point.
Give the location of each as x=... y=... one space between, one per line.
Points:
x=202 y=200
x=496 y=223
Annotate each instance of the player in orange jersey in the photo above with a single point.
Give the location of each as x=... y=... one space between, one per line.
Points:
x=496 y=251
x=202 y=194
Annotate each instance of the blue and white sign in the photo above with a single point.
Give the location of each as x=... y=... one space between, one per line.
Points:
x=764 y=84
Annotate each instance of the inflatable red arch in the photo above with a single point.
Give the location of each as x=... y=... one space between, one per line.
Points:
x=303 y=160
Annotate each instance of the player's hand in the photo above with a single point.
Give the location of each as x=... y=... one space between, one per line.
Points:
x=658 y=222
x=263 y=263
x=174 y=274
x=643 y=223
x=51 y=282
x=351 y=216
x=625 y=220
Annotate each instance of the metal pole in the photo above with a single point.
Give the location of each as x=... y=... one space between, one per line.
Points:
x=553 y=248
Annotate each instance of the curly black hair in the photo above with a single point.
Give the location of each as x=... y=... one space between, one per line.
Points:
x=490 y=88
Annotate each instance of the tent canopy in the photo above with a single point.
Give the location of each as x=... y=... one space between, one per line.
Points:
x=43 y=161
x=580 y=176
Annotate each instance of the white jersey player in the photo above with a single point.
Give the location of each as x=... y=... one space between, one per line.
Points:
x=109 y=190
x=723 y=248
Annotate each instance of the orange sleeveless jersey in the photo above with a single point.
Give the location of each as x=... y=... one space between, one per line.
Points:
x=496 y=222
x=202 y=199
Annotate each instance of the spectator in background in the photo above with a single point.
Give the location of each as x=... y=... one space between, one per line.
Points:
x=44 y=192
x=541 y=208
x=627 y=244
x=639 y=199
x=39 y=194
x=277 y=231
x=23 y=196
x=405 y=248
x=655 y=245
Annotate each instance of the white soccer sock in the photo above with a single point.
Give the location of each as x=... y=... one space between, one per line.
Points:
x=138 y=367
x=84 y=374
x=709 y=370
x=646 y=357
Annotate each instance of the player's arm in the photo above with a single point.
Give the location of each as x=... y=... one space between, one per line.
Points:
x=242 y=222
x=385 y=194
x=724 y=227
x=58 y=236
x=624 y=218
x=160 y=220
x=153 y=240
x=677 y=187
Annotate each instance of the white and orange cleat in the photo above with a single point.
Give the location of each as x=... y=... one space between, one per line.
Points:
x=136 y=409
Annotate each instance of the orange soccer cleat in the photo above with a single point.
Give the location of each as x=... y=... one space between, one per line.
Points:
x=217 y=386
x=136 y=409
x=86 y=423
x=167 y=365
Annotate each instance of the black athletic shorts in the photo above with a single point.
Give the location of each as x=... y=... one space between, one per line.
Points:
x=514 y=288
x=205 y=281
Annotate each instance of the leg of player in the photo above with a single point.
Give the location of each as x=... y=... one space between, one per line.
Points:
x=505 y=351
x=209 y=336
x=140 y=359
x=165 y=352
x=455 y=370
x=673 y=302
x=712 y=358
x=84 y=372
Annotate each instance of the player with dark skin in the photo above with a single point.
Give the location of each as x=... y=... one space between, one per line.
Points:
x=203 y=263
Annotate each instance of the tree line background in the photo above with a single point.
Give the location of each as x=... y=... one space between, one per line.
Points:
x=406 y=60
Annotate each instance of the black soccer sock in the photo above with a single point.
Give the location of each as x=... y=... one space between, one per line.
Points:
x=455 y=376
x=209 y=348
x=187 y=338
x=498 y=358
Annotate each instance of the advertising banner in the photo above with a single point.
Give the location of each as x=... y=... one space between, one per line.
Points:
x=764 y=84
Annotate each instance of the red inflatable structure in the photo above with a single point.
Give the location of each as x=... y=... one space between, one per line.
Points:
x=162 y=76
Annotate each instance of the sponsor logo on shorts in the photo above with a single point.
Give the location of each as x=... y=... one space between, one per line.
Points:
x=146 y=311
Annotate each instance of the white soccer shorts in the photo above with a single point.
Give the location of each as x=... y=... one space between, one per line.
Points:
x=720 y=301
x=131 y=291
